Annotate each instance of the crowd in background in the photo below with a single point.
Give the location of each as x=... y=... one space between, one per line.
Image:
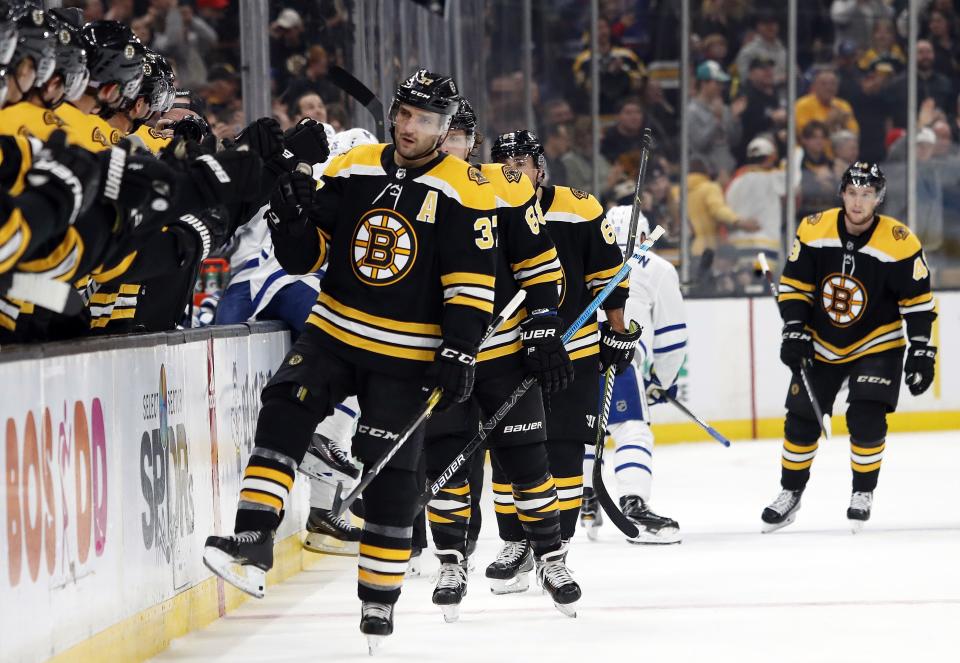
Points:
x=852 y=103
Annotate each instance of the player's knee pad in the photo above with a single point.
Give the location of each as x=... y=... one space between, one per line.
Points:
x=391 y=496
x=566 y=457
x=867 y=422
x=801 y=430
x=521 y=464
x=632 y=431
x=285 y=424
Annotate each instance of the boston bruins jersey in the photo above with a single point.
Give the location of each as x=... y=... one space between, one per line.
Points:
x=27 y=119
x=88 y=131
x=589 y=257
x=153 y=139
x=411 y=259
x=853 y=292
x=526 y=258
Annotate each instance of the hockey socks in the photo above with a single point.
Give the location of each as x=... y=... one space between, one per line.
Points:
x=449 y=516
x=795 y=463
x=539 y=514
x=267 y=482
x=384 y=553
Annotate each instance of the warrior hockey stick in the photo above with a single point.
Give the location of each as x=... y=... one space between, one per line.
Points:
x=488 y=426
x=714 y=433
x=347 y=82
x=822 y=419
x=340 y=506
x=616 y=516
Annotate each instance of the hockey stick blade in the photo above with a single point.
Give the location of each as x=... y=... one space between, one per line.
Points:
x=341 y=505
x=822 y=419
x=490 y=424
x=347 y=82
x=713 y=432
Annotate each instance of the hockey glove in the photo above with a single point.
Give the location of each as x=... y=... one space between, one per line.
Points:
x=291 y=203
x=617 y=348
x=453 y=369
x=919 y=367
x=263 y=136
x=308 y=141
x=135 y=181
x=543 y=353
x=232 y=176
x=656 y=393
x=796 y=345
x=66 y=176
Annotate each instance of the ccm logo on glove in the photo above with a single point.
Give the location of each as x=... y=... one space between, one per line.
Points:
x=462 y=357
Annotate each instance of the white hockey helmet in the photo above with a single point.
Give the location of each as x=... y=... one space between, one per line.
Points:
x=619 y=218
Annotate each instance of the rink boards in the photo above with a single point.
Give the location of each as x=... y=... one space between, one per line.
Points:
x=121 y=457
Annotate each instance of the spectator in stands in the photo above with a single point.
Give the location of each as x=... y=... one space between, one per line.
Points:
x=873 y=109
x=708 y=210
x=883 y=46
x=765 y=111
x=626 y=134
x=314 y=77
x=724 y=17
x=662 y=118
x=928 y=222
x=621 y=71
x=566 y=167
x=845 y=65
x=946 y=148
x=120 y=10
x=714 y=47
x=308 y=104
x=286 y=44
x=223 y=89
x=940 y=32
x=823 y=104
x=818 y=183
x=757 y=192
x=854 y=19
x=556 y=111
x=661 y=201
x=186 y=38
x=765 y=44
x=846 y=150
x=337 y=117
x=931 y=84
x=583 y=146
x=714 y=126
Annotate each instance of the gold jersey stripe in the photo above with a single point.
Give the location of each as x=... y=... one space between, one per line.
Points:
x=277 y=476
x=466 y=300
x=799 y=285
x=585 y=352
x=366 y=344
x=392 y=554
x=568 y=482
x=501 y=351
x=586 y=331
x=548 y=277
x=788 y=296
x=119 y=269
x=602 y=274
x=376 y=321
x=466 y=278
x=889 y=345
x=261 y=498
x=920 y=299
x=879 y=331
x=545 y=257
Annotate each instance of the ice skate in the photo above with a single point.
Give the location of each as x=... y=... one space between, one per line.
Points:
x=415 y=565
x=858 y=513
x=510 y=571
x=330 y=534
x=327 y=462
x=471 y=561
x=554 y=576
x=591 y=516
x=252 y=551
x=376 y=622
x=451 y=584
x=782 y=511
x=654 y=529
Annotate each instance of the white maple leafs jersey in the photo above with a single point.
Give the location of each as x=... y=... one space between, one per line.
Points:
x=656 y=304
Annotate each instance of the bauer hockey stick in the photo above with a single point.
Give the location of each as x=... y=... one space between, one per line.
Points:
x=347 y=82
x=488 y=426
x=822 y=419
x=340 y=506
x=616 y=516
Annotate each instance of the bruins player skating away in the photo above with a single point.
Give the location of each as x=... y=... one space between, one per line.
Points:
x=853 y=278
x=589 y=256
x=528 y=343
x=656 y=304
x=407 y=296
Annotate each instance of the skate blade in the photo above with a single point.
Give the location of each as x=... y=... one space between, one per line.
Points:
x=856 y=526
x=373 y=643
x=568 y=609
x=515 y=585
x=665 y=537
x=451 y=613
x=773 y=527
x=328 y=545
x=250 y=579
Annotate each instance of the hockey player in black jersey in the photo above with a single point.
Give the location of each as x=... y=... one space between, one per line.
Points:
x=407 y=295
x=589 y=257
x=851 y=281
x=528 y=342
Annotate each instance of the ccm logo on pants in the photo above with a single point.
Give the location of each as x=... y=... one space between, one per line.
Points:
x=377 y=432
x=872 y=379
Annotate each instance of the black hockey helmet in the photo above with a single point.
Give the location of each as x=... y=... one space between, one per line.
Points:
x=516 y=144
x=9 y=13
x=36 y=40
x=71 y=61
x=864 y=173
x=114 y=55
x=158 y=82
x=427 y=91
x=465 y=119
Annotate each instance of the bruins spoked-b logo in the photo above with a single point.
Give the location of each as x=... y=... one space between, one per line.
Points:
x=843 y=298
x=384 y=247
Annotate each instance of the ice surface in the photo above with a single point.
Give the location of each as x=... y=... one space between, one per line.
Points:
x=812 y=592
